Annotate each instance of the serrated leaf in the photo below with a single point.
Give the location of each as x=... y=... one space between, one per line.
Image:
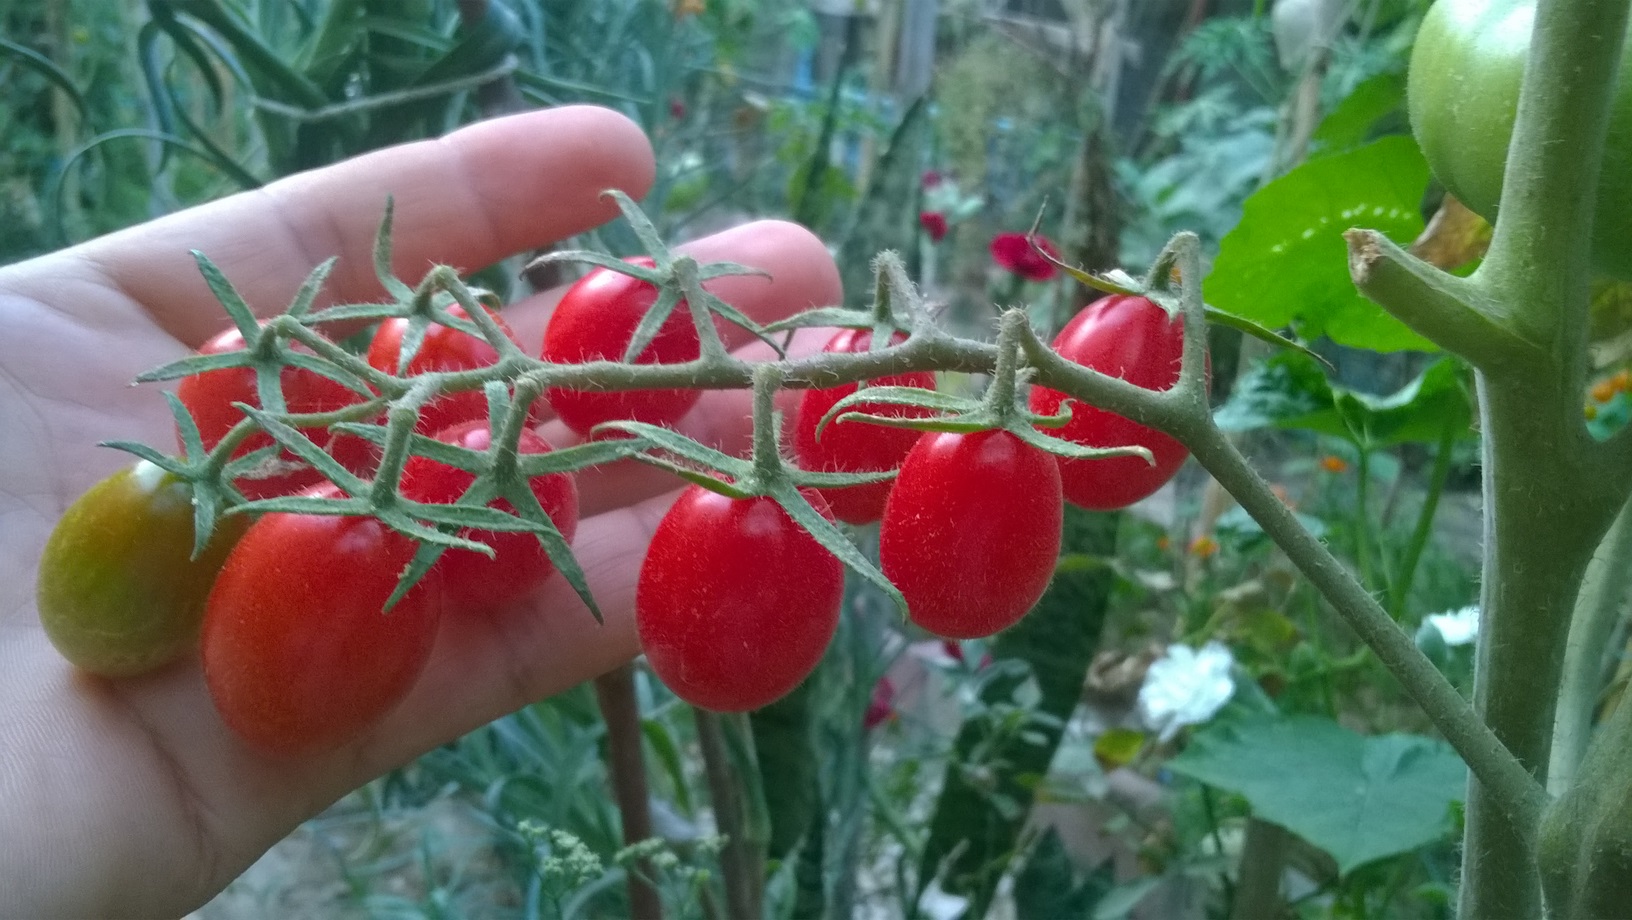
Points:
x=1359 y=798
x=301 y=446
x=834 y=541
x=152 y=455
x=382 y=255
x=309 y=288
x=1286 y=262
x=242 y=316
x=1288 y=391
x=824 y=317
x=195 y=364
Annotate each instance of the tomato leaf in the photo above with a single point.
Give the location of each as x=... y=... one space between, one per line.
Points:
x=382 y=256
x=1288 y=391
x=1359 y=798
x=833 y=540
x=1286 y=262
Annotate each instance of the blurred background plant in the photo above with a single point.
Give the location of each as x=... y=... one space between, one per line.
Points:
x=1027 y=776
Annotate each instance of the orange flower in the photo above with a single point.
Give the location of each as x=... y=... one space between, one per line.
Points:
x=1163 y=543
x=1604 y=390
x=1622 y=380
x=1332 y=463
x=1203 y=547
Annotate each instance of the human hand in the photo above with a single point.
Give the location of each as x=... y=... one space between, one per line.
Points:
x=131 y=797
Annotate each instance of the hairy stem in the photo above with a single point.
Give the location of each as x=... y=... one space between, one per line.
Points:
x=615 y=692
x=1601 y=606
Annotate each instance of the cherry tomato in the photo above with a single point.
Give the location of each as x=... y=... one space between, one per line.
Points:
x=298 y=655
x=519 y=564
x=595 y=320
x=736 y=603
x=971 y=531
x=1134 y=339
x=444 y=349
x=856 y=447
x=118 y=593
x=210 y=396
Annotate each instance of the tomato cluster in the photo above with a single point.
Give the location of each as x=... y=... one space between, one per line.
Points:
x=737 y=599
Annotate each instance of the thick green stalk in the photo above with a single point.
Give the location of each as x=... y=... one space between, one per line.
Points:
x=1540 y=529
x=1598 y=611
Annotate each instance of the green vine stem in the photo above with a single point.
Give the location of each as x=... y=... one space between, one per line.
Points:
x=1182 y=412
x=1549 y=489
x=1589 y=652
x=620 y=710
x=1424 y=530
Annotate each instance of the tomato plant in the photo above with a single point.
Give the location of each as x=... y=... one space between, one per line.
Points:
x=1463 y=96
x=444 y=349
x=210 y=397
x=519 y=564
x=736 y=603
x=856 y=447
x=298 y=654
x=1134 y=339
x=971 y=531
x=118 y=592
x=595 y=321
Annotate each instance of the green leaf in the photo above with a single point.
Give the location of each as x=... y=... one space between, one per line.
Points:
x=1377 y=103
x=1289 y=391
x=1358 y=798
x=1286 y=262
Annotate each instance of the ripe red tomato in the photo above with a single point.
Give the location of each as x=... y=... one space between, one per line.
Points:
x=118 y=592
x=209 y=397
x=1134 y=339
x=736 y=603
x=595 y=320
x=971 y=531
x=444 y=349
x=519 y=564
x=298 y=655
x=856 y=447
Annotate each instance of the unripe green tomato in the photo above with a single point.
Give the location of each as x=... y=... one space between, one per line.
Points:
x=1463 y=95
x=118 y=593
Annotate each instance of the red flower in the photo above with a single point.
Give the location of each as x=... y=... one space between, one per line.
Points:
x=934 y=224
x=879 y=710
x=931 y=178
x=1014 y=252
x=677 y=109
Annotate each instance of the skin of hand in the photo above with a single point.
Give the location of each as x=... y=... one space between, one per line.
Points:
x=130 y=797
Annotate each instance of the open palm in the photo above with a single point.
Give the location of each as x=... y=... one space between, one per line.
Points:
x=130 y=797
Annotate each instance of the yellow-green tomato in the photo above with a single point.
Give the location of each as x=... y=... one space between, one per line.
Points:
x=118 y=593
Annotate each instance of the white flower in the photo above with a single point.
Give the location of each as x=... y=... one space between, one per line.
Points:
x=1456 y=627
x=938 y=904
x=1186 y=686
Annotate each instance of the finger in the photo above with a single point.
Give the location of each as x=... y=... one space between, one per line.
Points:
x=469 y=199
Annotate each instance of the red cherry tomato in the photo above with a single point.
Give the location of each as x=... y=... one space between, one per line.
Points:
x=444 y=349
x=1134 y=339
x=209 y=397
x=971 y=531
x=519 y=564
x=856 y=447
x=298 y=655
x=595 y=321
x=736 y=603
